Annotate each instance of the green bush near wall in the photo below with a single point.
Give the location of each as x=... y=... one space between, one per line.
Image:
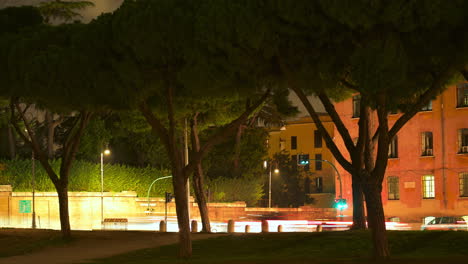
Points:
x=247 y=188
x=86 y=177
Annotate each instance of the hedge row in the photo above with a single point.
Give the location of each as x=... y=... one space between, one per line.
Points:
x=86 y=177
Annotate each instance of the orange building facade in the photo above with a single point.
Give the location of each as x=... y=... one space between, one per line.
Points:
x=427 y=173
x=300 y=138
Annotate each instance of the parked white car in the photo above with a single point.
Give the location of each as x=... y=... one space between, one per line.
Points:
x=446 y=223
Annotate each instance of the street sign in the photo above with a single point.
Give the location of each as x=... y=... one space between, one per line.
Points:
x=25 y=206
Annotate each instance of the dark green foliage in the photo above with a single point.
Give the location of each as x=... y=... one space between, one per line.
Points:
x=14 y=19
x=219 y=162
x=86 y=177
x=94 y=140
x=288 y=186
x=247 y=188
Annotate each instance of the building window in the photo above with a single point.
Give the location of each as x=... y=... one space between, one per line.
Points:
x=462 y=95
x=426 y=144
x=463 y=140
x=427 y=107
x=393 y=188
x=293 y=142
x=393 y=148
x=463 y=184
x=428 y=186
x=317 y=139
x=357 y=105
x=318 y=162
x=319 y=184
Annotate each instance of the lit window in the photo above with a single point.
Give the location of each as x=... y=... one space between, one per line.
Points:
x=356 y=105
x=463 y=184
x=462 y=95
x=393 y=148
x=463 y=140
x=393 y=188
x=428 y=186
x=426 y=144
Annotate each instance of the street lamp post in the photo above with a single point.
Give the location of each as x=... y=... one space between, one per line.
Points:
x=269 y=183
x=340 y=196
x=105 y=152
x=33 y=191
x=337 y=173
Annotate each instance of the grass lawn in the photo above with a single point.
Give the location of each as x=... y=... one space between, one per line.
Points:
x=18 y=242
x=326 y=247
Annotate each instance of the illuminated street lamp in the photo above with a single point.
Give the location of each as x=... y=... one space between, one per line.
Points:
x=105 y=152
x=276 y=171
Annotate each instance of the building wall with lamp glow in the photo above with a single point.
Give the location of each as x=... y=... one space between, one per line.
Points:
x=301 y=137
x=428 y=175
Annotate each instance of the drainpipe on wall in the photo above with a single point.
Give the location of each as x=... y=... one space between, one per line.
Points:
x=442 y=124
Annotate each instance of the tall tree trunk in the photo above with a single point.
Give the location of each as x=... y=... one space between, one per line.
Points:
x=180 y=183
x=51 y=125
x=201 y=199
x=237 y=150
x=62 y=191
x=359 y=219
x=376 y=219
x=198 y=177
x=11 y=142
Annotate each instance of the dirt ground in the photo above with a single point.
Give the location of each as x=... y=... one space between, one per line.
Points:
x=85 y=246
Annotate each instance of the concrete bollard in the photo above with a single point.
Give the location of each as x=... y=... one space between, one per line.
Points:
x=194 y=226
x=231 y=226
x=247 y=229
x=265 y=226
x=280 y=228
x=319 y=228
x=162 y=226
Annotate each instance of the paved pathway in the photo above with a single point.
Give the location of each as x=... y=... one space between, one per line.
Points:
x=101 y=245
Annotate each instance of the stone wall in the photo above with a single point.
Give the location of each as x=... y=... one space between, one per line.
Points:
x=85 y=209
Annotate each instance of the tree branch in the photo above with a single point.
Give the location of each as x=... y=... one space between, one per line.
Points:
x=330 y=108
x=155 y=123
x=465 y=74
x=328 y=139
x=381 y=160
x=230 y=129
x=31 y=141
x=436 y=87
x=72 y=147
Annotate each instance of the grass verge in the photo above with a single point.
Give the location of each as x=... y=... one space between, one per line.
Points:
x=326 y=247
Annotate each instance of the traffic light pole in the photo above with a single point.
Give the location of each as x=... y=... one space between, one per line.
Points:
x=337 y=173
x=165 y=211
x=151 y=185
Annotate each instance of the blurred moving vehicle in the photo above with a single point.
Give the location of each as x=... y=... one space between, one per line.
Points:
x=446 y=223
